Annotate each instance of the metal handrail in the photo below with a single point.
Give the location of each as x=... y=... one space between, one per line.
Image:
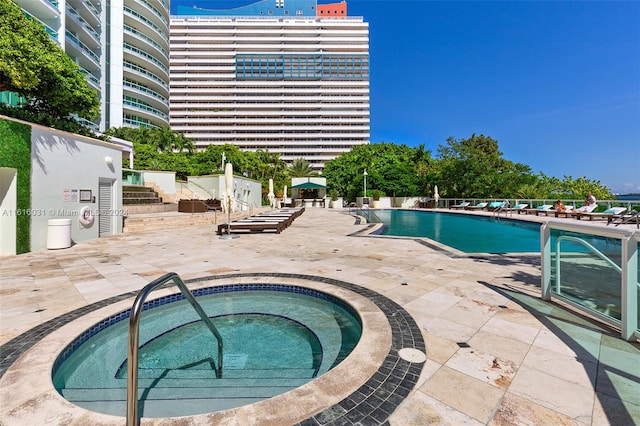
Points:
x=134 y=329
x=590 y=247
x=246 y=204
x=587 y=245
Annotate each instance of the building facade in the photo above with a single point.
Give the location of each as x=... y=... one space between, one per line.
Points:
x=121 y=46
x=285 y=76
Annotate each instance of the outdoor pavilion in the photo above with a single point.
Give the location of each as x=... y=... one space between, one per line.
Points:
x=310 y=194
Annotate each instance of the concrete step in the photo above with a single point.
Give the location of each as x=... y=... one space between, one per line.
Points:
x=157 y=221
x=150 y=208
x=138 y=194
x=136 y=188
x=134 y=201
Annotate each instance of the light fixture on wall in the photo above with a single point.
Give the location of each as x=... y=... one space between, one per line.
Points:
x=108 y=160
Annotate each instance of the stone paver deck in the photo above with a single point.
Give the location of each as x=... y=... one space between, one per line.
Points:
x=496 y=353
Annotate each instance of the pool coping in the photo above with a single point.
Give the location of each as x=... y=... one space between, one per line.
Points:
x=365 y=388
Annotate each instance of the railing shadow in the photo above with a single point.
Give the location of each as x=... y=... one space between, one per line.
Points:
x=621 y=416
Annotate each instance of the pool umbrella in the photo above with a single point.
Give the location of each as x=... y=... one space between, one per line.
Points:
x=436 y=196
x=284 y=197
x=271 y=195
x=228 y=198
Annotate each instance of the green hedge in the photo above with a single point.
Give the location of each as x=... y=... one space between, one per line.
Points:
x=15 y=152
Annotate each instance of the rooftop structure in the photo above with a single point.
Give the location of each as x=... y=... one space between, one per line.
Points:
x=287 y=76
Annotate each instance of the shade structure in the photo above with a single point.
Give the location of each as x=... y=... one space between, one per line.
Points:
x=308 y=185
x=436 y=196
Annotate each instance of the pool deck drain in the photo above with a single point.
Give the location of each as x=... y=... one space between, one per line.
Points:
x=412 y=355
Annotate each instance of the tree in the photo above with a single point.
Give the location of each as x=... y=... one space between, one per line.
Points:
x=301 y=168
x=33 y=66
x=474 y=167
x=390 y=169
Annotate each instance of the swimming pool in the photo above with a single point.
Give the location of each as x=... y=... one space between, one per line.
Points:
x=467 y=233
x=276 y=338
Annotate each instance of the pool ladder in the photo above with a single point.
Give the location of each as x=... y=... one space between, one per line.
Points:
x=134 y=329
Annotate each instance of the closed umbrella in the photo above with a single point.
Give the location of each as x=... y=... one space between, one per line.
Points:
x=284 y=197
x=271 y=196
x=436 y=196
x=228 y=185
x=228 y=198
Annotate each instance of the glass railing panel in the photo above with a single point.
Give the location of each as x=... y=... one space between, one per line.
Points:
x=586 y=270
x=132 y=177
x=160 y=32
x=134 y=67
x=638 y=294
x=139 y=52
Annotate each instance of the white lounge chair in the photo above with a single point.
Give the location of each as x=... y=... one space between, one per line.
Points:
x=545 y=208
x=566 y=213
x=479 y=206
x=608 y=214
x=460 y=206
x=520 y=208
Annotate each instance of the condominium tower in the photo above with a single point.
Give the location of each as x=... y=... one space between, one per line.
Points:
x=121 y=46
x=285 y=76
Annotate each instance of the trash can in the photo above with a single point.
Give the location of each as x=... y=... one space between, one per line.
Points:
x=58 y=233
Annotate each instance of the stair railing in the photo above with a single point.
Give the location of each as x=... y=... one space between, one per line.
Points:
x=134 y=330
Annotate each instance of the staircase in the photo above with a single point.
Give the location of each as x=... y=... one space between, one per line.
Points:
x=197 y=388
x=138 y=194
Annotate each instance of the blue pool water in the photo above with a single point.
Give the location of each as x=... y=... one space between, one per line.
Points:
x=274 y=341
x=480 y=234
x=467 y=233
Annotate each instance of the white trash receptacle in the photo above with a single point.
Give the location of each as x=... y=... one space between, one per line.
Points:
x=58 y=233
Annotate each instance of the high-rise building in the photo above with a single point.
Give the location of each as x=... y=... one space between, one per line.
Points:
x=285 y=76
x=122 y=47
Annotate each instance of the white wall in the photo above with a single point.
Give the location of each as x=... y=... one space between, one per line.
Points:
x=62 y=163
x=165 y=181
x=8 y=204
x=247 y=190
x=406 y=202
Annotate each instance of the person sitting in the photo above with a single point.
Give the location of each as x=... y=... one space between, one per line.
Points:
x=559 y=207
x=589 y=204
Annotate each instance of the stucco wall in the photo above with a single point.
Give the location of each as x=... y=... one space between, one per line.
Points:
x=247 y=190
x=63 y=165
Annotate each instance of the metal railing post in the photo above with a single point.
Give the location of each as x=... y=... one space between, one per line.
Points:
x=134 y=331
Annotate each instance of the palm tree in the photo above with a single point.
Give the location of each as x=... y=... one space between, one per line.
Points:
x=163 y=138
x=180 y=143
x=301 y=168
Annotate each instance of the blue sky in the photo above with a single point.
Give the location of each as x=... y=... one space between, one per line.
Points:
x=557 y=84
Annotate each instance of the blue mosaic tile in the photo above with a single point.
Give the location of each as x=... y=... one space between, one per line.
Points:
x=371 y=405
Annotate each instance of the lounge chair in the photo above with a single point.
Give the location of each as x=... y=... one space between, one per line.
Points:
x=568 y=212
x=630 y=217
x=460 y=206
x=545 y=208
x=479 y=206
x=586 y=209
x=497 y=205
x=251 y=227
x=608 y=214
x=520 y=208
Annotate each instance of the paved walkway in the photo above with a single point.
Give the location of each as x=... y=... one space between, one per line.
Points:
x=496 y=354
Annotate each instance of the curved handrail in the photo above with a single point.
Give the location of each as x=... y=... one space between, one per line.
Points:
x=245 y=203
x=590 y=247
x=134 y=329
